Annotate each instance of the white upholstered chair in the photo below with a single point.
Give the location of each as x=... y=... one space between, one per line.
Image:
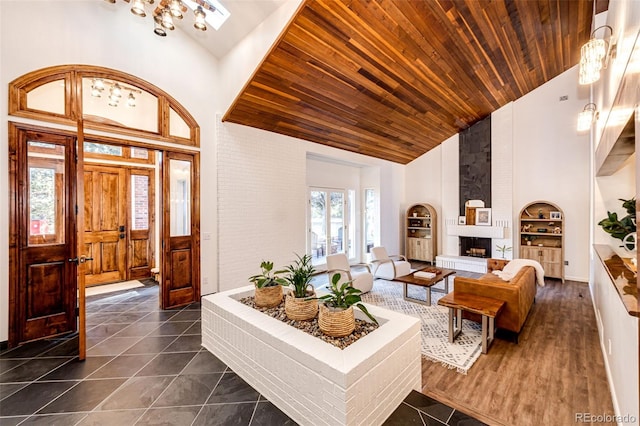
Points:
x=388 y=267
x=339 y=264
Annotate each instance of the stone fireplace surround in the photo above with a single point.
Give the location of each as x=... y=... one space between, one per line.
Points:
x=467 y=263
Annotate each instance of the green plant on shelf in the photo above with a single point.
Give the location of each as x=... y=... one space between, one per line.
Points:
x=620 y=228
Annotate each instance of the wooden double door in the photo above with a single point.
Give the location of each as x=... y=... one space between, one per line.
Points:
x=119 y=223
x=49 y=259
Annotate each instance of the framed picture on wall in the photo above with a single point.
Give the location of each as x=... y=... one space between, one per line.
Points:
x=462 y=220
x=483 y=217
x=555 y=215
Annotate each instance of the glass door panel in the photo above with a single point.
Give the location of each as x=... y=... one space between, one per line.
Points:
x=369 y=219
x=337 y=222
x=328 y=218
x=46 y=199
x=318 y=227
x=351 y=247
x=180 y=197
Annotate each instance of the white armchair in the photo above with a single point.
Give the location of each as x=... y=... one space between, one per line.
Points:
x=338 y=263
x=388 y=267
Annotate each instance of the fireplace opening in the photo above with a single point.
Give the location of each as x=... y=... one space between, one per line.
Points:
x=475 y=247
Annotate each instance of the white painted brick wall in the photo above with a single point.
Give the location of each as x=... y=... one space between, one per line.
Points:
x=450 y=192
x=261 y=201
x=502 y=178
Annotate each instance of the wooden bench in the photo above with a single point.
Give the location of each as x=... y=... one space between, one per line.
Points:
x=487 y=307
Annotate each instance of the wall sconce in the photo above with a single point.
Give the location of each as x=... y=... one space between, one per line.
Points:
x=594 y=55
x=587 y=117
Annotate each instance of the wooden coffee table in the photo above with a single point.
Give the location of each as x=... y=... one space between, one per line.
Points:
x=441 y=275
x=487 y=307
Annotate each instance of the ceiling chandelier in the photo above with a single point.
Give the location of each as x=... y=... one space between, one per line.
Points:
x=115 y=92
x=204 y=11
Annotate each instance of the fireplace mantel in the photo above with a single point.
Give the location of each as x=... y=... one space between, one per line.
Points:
x=476 y=231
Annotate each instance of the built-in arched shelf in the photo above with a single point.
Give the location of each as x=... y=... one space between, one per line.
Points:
x=421 y=233
x=102 y=99
x=542 y=236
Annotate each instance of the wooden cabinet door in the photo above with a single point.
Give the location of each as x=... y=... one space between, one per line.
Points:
x=530 y=252
x=551 y=261
x=105 y=223
x=42 y=236
x=412 y=248
x=426 y=248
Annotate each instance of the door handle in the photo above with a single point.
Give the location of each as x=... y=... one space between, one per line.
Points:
x=121 y=228
x=121 y=236
x=81 y=259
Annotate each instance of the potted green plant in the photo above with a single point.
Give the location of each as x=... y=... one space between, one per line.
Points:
x=503 y=249
x=297 y=303
x=268 y=293
x=620 y=228
x=529 y=239
x=336 y=318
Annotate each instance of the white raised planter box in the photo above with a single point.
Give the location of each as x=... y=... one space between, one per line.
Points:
x=314 y=382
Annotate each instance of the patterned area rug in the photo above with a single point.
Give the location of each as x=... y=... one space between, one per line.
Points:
x=435 y=325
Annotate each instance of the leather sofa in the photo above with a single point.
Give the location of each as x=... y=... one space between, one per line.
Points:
x=518 y=294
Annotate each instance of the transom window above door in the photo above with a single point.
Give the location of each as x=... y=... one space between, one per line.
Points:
x=105 y=99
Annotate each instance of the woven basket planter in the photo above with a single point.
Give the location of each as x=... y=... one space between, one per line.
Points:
x=299 y=309
x=268 y=297
x=336 y=323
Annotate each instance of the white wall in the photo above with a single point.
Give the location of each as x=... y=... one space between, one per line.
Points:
x=107 y=35
x=536 y=155
x=423 y=177
x=551 y=162
x=262 y=195
x=450 y=193
x=261 y=201
x=329 y=174
x=502 y=180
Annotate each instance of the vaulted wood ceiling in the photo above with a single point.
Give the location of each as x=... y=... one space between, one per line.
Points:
x=394 y=78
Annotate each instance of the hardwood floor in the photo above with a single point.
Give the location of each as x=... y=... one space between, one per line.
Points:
x=555 y=371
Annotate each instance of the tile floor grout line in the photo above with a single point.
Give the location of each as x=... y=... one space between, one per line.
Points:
x=254 y=412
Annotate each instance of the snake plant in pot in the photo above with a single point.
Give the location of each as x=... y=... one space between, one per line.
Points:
x=336 y=318
x=299 y=303
x=268 y=292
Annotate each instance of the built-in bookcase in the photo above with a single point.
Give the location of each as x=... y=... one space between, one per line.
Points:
x=542 y=236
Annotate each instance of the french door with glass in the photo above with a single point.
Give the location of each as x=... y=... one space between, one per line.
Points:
x=329 y=230
x=43 y=240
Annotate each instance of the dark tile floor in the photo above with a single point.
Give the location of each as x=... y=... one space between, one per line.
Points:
x=145 y=366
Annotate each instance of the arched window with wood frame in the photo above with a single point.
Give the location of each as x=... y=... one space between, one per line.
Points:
x=105 y=99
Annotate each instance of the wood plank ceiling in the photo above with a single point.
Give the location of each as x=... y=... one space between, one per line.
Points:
x=394 y=78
